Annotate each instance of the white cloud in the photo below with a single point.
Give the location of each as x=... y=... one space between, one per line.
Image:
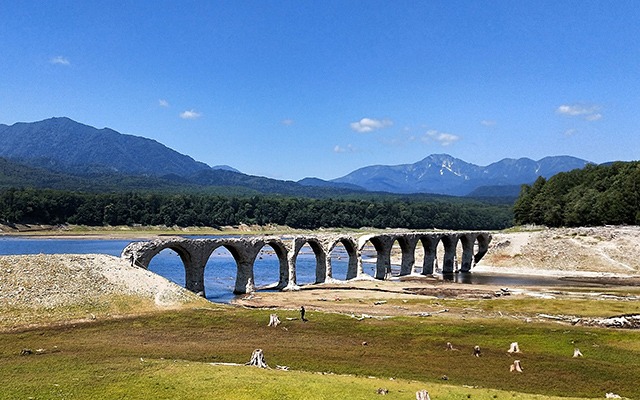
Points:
x=163 y=103
x=488 y=122
x=340 y=149
x=287 y=122
x=60 y=60
x=570 y=132
x=593 y=117
x=445 y=139
x=366 y=125
x=190 y=114
x=589 y=113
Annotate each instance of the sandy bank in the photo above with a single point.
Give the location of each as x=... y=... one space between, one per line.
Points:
x=40 y=288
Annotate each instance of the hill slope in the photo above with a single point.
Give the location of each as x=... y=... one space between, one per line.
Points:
x=61 y=144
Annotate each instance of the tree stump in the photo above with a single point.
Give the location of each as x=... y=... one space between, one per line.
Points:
x=257 y=359
x=274 y=320
x=514 y=348
x=422 y=395
x=515 y=366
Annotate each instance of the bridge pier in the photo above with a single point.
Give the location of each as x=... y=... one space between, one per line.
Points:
x=194 y=273
x=383 y=245
x=448 y=263
x=408 y=247
x=467 y=241
x=429 y=244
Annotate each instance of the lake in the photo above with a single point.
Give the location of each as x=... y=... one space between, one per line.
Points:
x=220 y=271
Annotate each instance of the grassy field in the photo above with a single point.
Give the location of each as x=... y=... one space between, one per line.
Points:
x=167 y=355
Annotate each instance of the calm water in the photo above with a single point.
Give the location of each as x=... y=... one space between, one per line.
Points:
x=220 y=271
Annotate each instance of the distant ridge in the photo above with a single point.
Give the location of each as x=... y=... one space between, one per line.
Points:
x=444 y=174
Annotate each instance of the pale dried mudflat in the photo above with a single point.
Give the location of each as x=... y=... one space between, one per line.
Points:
x=594 y=262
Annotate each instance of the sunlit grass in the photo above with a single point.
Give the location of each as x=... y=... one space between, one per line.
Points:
x=135 y=378
x=101 y=359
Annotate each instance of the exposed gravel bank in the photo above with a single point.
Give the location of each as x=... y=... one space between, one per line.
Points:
x=566 y=251
x=38 y=288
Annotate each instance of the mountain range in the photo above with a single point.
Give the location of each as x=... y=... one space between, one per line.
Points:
x=62 y=150
x=444 y=174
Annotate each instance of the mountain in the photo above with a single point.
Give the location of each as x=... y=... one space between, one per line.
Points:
x=63 y=145
x=61 y=153
x=444 y=174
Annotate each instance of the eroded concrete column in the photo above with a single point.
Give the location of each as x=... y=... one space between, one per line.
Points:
x=194 y=272
x=429 y=243
x=468 y=241
x=245 y=252
x=449 y=241
x=408 y=247
x=383 y=245
x=483 y=246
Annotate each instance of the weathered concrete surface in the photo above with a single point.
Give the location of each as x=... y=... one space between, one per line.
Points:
x=194 y=254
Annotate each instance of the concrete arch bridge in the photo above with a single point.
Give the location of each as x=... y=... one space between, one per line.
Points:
x=195 y=253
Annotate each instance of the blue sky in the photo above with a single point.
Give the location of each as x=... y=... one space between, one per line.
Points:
x=289 y=89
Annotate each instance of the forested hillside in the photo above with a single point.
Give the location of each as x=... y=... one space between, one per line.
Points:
x=45 y=206
x=595 y=195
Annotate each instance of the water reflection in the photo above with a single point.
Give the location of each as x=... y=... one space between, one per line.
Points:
x=221 y=270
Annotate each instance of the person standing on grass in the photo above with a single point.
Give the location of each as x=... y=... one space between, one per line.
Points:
x=302 y=311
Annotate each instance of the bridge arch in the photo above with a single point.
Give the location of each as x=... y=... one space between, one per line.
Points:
x=320 y=255
x=354 y=266
x=281 y=251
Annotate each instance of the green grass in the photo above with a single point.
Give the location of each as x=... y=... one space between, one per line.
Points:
x=132 y=378
x=101 y=359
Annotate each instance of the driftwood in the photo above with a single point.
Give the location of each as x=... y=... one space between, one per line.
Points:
x=274 y=320
x=476 y=351
x=257 y=359
x=577 y=353
x=422 y=395
x=514 y=348
x=515 y=366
